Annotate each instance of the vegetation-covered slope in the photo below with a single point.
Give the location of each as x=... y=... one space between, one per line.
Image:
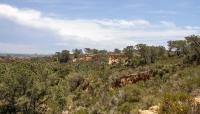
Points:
x=55 y=84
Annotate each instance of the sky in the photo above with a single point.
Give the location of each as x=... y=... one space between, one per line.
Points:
x=47 y=26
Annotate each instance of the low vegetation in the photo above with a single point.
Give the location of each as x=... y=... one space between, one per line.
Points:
x=69 y=83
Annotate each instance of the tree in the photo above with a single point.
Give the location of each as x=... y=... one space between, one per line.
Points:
x=63 y=57
x=91 y=51
x=129 y=51
x=177 y=46
x=77 y=52
x=193 y=43
x=157 y=52
x=95 y=51
x=88 y=50
x=102 y=51
x=193 y=46
x=145 y=53
x=162 y=51
x=149 y=54
x=117 y=50
x=58 y=56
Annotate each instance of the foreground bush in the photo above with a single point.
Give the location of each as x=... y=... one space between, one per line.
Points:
x=176 y=103
x=28 y=88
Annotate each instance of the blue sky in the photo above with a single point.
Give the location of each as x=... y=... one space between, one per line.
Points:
x=46 y=26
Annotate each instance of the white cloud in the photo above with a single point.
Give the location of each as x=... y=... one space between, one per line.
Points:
x=105 y=33
x=123 y=23
x=168 y=24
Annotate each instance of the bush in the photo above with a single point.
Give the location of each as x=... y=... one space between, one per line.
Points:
x=27 y=87
x=176 y=103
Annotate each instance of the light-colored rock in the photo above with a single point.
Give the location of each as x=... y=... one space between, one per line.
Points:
x=154 y=108
x=197 y=100
x=151 y=110
x=65 y=112
x=146 y=112
x=74 y=60
x=195 y=105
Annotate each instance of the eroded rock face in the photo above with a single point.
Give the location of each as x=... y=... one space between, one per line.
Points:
x=115 y=58
x=132 y=78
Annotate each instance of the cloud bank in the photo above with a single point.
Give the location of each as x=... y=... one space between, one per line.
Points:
x=97 y=33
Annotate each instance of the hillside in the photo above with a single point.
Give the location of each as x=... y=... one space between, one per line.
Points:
x=99 y=82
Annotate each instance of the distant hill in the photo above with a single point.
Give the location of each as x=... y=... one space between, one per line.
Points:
x=23 y=55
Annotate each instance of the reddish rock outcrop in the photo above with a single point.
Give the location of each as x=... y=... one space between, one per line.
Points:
x=131 y=79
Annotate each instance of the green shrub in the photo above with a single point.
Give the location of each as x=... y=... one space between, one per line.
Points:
x=176 y=103
x=81 y=111
x=132 y=93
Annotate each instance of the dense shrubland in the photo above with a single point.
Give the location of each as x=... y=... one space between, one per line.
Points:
x=56 y=84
